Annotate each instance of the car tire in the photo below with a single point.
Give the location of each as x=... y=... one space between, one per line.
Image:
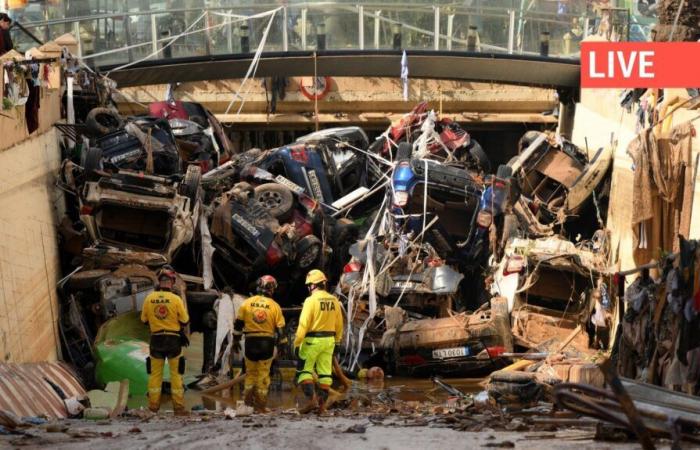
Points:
x=345 y=230
x=278 y=200
x=87 y=278
x=504 y=172
x=190 y=185
x=93 y=163
x=103 y=121
x=204 y=298
x=477 y=152
x=527 y=139
x=308 y=251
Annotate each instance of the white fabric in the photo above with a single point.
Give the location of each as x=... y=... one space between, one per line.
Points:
x=224 y=327
x=252 y=69
x=207 y=252
x=404 y=75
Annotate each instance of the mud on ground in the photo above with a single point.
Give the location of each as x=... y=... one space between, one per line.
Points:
x=287 y=430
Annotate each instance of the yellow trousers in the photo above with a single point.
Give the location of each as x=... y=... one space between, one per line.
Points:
x=155 y=382
x=257 y=376
x=316 y=355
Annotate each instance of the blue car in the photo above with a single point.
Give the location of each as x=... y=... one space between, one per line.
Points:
x=325 y=164
x=466 y=204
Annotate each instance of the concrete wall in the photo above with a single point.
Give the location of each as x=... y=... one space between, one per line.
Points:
x=29 y=264
x=358 y=100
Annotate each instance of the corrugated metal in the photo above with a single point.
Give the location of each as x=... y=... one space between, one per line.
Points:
x=25 y=391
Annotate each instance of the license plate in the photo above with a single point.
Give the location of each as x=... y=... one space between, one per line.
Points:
x=444 y=353
x=289 y=184
x=246 y=225
x=315 y=185
x=408 y=285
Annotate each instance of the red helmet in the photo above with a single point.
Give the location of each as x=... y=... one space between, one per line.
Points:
x=267 y=284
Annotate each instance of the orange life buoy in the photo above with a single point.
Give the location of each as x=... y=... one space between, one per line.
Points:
x=315 y=90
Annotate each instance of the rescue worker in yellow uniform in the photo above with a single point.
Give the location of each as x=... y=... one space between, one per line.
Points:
x=166 y=315
x=260 y=319
x=317 y=340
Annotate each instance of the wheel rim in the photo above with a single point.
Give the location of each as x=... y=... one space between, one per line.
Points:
x=270 y=200
x=309 y=256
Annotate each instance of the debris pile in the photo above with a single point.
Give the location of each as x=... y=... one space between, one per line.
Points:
x=444 y=266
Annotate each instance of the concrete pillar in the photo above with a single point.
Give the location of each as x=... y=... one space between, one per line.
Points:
x=567 y=111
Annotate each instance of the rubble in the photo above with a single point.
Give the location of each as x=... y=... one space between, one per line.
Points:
x=444 y=265
x=405 y=196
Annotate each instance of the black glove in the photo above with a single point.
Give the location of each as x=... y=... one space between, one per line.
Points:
x=184 y=340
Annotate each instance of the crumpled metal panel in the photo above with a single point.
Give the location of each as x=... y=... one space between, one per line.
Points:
x=25 y=391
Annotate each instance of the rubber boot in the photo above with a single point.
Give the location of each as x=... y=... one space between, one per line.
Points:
x=249 y=397
x=322 y=400
x=181 y=412
x=261 y=403
x=311 y=399
x=153 y=407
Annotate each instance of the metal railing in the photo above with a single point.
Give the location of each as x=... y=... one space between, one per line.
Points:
x=118 y=38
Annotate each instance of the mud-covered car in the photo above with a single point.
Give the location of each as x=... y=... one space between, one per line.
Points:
x=220 y=148
x=552 y=287
x=140 y=212
x=453 y=195
x=250 y=239
x=559 y=185
x=144 y=144
x=466 y=344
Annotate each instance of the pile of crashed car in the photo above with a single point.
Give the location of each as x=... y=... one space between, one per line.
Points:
x=444 y=265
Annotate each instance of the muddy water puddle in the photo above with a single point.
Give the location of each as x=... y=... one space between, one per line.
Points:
x=285 y=396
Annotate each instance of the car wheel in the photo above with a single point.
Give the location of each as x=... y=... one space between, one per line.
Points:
x=527 y=139
x=504 y=172
x=276 y=199
x=478 y=153
x=190 y=185
x=308 y=251
x=103 y=121
x=93 y=163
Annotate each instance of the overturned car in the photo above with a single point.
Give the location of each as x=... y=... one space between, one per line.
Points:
x=560 y=185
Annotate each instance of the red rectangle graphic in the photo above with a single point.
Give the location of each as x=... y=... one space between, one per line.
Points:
x=640 y=64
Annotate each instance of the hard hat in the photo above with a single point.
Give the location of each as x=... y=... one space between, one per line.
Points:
x=267 y=283
x=166 y=272
x=315 y=276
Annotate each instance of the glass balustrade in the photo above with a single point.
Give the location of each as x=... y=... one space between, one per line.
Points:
x=112 y=32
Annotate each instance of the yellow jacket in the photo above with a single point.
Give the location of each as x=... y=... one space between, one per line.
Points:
x=321 y=313
x=164 y=311
x=261 y=316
